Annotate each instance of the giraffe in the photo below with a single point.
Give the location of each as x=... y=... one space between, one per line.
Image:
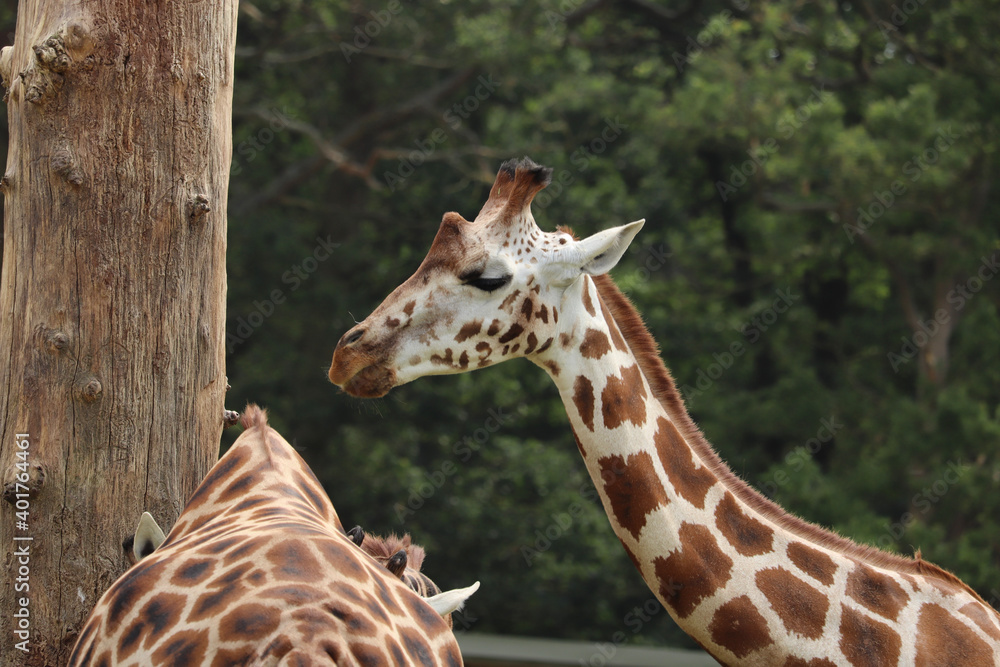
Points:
x=259 y=571
x=752 y=584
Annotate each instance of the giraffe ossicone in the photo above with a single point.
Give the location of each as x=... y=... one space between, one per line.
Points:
x=259 y=570
x=752 y=584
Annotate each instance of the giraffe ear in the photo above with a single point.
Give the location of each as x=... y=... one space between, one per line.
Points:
x=593 y=255
x=453 y=600
x=148 y=537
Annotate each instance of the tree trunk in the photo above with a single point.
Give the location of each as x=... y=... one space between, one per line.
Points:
x=112 y=301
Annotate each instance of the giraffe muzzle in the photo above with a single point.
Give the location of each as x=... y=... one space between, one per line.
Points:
x=358 y=374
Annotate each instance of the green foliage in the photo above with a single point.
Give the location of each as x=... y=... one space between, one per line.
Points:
x=761 y=145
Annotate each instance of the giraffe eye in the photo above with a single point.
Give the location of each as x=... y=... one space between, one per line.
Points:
x=489 y=284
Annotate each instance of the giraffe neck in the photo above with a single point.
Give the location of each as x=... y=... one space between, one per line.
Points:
x=750 y=583
x=660 y=497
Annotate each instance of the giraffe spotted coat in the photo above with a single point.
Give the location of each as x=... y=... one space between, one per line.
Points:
x=258 y=571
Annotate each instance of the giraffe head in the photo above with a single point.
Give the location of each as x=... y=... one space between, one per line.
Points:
x=403 y=559
x=489 y=290
x=398 y=555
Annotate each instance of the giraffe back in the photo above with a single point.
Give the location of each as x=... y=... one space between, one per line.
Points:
x=257 y=570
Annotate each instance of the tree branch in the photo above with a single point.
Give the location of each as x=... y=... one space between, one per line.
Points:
x=335 y=152
x=378 y=120
x=290 y=178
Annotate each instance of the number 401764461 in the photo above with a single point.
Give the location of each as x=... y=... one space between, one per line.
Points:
x=21 y=503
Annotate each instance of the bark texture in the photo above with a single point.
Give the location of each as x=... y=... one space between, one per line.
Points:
x=112 y=301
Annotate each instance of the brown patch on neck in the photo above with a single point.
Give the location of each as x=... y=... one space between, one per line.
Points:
x=866 y=642
x=981 y=618
x=813 y=562
x=801 y=608
x=595 y=344
x=647 y=353
x=747 y=535
x=587 y=303
x=738 y=627
x=690 y=482
x=942 y=639
x=616 y=335
x=692 y=573
x=876 y=591
x=583 y=398
x=583 y=453
x=633 y=489
x=624 y=399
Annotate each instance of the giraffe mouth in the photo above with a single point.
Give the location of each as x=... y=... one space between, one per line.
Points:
x=371 y=382
x=358 y=377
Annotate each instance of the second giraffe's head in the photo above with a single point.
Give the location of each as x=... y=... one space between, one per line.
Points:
x=489 y=290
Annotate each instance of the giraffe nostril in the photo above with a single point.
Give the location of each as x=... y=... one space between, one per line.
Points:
x=354 y=337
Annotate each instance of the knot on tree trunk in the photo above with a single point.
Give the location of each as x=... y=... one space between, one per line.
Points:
x=56 y=340
x=91 y=390
x=64 y=165
x=27 y=478
x=198 y=206
x=68 y=48
x=44 y=79
x=51 y=54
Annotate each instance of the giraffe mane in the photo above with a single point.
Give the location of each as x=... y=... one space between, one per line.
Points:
x=386 y=547
x=253 y=416
x=647 y=353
